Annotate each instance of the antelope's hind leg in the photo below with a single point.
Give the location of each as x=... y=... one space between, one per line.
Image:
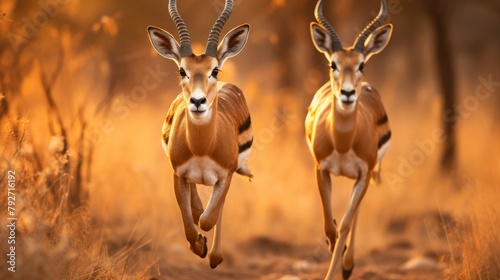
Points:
x=197 y=242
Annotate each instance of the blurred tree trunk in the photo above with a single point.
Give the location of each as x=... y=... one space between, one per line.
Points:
x=290 y=22
x=438 y=11
x=494 y=4
x=283 y=50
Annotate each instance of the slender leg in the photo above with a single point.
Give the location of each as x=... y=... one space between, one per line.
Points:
x=196 y=205
x=358 y=192
x=197 y=242
x=348 y=257
x=209 y=217
x=215 y=255
x=325 y=191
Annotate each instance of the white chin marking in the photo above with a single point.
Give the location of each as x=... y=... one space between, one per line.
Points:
x=193 y=108
x=198 y=117
x=345 y=107
x=345 y=98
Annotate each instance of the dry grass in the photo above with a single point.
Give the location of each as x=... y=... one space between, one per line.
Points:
x=54 y=241
x=475 y=241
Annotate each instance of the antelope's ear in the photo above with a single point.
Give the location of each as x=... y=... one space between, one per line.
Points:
x=322 y=40
x=377 y=41
x=165 y=44
x=233 y=43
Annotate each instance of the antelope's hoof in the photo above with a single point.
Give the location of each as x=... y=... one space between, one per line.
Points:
x=215 y=260
x=346 y=273
x=203 y=244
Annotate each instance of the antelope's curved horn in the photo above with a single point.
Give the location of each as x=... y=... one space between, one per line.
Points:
x=360 y=41
x=318 y=14
x=213 y=38
x=185 y=41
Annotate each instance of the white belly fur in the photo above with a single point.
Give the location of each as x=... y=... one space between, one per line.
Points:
x=348 y=164
x=201 y=170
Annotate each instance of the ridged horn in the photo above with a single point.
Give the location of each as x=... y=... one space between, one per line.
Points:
x=185 y=41
x=318 y=14
x=359 y=46
x=213 y=38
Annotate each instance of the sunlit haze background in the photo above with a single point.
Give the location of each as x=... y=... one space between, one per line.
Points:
x=83 y=96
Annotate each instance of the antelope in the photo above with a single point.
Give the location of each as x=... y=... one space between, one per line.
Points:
x=347 y=128
x=207 y=133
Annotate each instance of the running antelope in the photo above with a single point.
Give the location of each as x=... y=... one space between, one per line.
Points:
x=207 y=133
x=347 y=128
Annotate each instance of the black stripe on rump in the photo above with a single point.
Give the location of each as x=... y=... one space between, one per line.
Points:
x=245 y=126
x=386 y=137
x=244 y=147
x=165 y=138
x=383 y=120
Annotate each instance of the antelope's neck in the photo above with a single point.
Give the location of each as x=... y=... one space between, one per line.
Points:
x=201 y=136
x=343 y=127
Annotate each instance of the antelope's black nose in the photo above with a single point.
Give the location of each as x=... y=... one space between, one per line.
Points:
x=347 y=93
x=198 y=102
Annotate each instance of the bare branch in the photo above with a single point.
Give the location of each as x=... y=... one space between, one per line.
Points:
x=56 y=125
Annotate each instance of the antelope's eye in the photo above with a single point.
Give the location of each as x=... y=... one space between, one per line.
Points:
x=361 y=67
x=182 y=73
x=334 y=66
x=215 y=72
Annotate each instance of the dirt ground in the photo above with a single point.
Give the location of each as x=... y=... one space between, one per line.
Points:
x=265 y=259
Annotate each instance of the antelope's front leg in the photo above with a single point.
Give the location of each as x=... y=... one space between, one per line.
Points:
x=196 y=205
x=357 y=195
x=215 y=256
x=197 y=242
x=209 y=217
x=325 y=191
x=348 y=254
